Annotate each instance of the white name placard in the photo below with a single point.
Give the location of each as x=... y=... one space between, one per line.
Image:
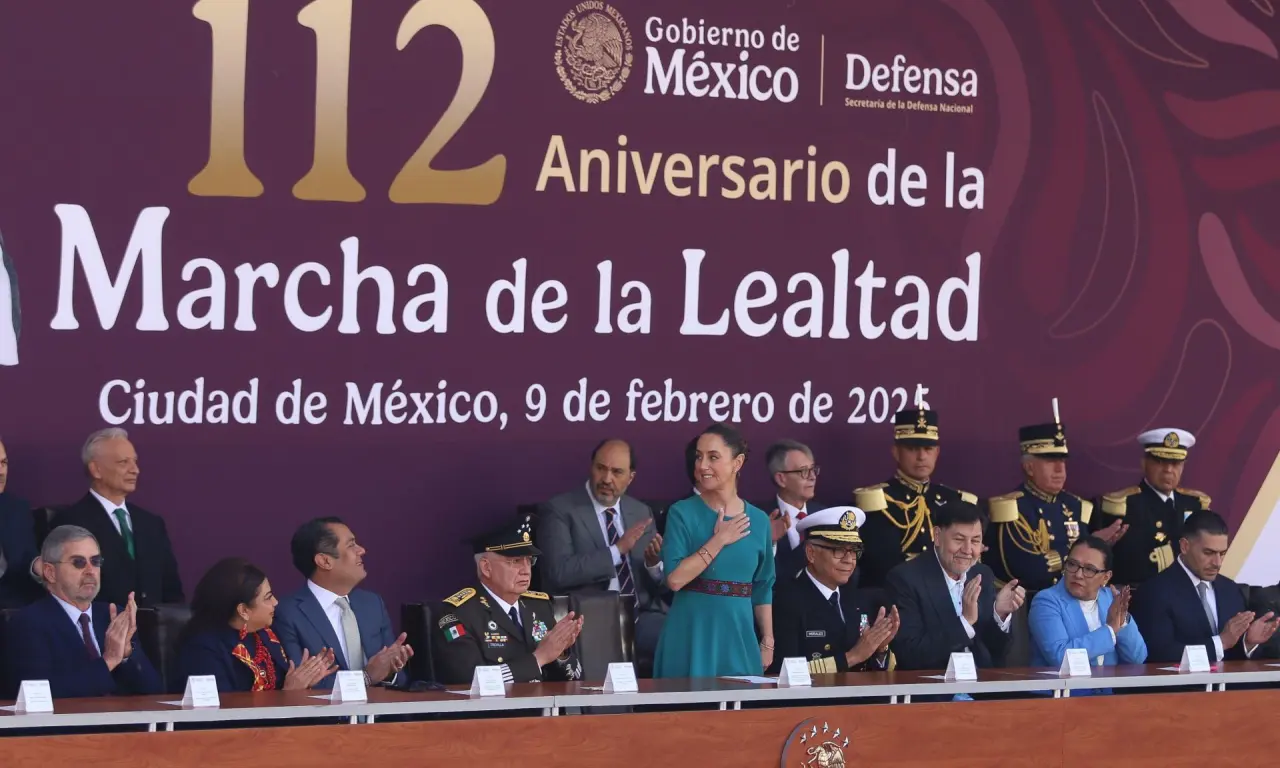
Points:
x=487 y=681
x=349 y=687
x=795 y=673
x=202 y=691
x=34 y=696
x=621 y=678
x=961 y=668
x=1076 y=664
x=1195 y=658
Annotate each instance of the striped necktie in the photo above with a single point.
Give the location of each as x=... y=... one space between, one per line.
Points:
x=625 y=584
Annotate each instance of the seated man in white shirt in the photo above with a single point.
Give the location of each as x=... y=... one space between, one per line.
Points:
x=598 y=537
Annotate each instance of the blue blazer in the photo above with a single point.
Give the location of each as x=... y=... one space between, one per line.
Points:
x=211 y=653
x=44 y=644
x=1057 y=623
x=1173 y=617
x=18 y=542
x=301 y=623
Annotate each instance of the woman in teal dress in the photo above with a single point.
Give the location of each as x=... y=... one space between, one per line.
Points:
x=718 y=557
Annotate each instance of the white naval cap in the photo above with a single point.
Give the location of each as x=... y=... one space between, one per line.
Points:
x=1167 y=443
x=833 y=523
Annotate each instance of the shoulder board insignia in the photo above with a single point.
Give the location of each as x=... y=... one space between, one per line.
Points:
x=536 y=595
x=460 y=597
x=1130 y=491
x=1014 y=496
x=1086 y=511
x=1004 y=508
x=1204 y=498
x=871 y=487
x=1116 y=504
x=967 y=498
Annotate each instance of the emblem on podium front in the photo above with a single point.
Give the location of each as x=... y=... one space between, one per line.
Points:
x=815 y=744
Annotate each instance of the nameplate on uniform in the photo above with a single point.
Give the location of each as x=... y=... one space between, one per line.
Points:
x=621 y=678
x=34 y=696
x=349 y=687
x=1075 y=664
x=1195 y=658
x=487 y=681
x=795 y=673
x=202 y=691
x=961 y=668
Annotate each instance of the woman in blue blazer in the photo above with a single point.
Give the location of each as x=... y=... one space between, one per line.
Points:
x=229 y=635
x=1081 y=611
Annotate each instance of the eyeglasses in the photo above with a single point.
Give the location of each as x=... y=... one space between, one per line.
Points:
x=1089 y=571
x=842 y=553
x=516 y=562
x=808 y=473
x=80 y=562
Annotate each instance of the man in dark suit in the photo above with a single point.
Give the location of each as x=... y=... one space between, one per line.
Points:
x=17 y=545
x=899 y=529
x=1192 y=603
x=329 y=612
x=135 y=543
x=82 y=647
x=794 y=474
x=598 y=538
x=948 y=601
x=1153 y=510
x=817 y=615
x=500 y=623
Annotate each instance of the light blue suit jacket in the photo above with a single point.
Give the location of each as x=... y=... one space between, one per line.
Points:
x=1057 y=623
x=301 y=623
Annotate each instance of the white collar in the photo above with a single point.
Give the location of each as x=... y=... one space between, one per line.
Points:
x=1087 y=605
x=1163 y=496
x=503 y=604
x=950 y=581
x=826 y=592
x=1195 y=580
x=791 y=511
x=109 y=505
x=323 y=596
x=74 y=613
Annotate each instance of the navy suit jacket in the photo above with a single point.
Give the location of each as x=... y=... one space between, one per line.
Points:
x=18 y=542
x=1168 y=609
x=301 y=623
x=931 y=631
x=210 y=653
x=44 y=644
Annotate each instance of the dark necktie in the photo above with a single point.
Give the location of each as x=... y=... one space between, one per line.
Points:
x=1172 y=509
x=625 y=585
x=515 y=616
x=835 y=603
x=86 y=631
x=126 y=532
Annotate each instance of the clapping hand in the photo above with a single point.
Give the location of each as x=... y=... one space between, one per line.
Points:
x=779 y=524
x=1112 y=533
x=1236 y=627
x=969 y=600
x=875 y=639
x=632 y=536
x=559 y=639
x=1261 y=630
x=653 y=552
x=119 y=638
x=310 y=671
x=391 y=659
x=1009 y=599
x=1119 y=612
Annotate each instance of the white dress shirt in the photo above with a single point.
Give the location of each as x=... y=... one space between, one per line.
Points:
x=826 y=592
x=1213 y=606
x=956 y=588
x=655 y=571
x=1093 y=620
x=329 y=604
x=505 y=606
x=111 y=507
x=74 y=613
x=793 y=536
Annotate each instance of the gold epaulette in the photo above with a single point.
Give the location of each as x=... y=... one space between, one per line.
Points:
x=871 y=498
x=536 y=595
x=1086 y=510
x=1004 y=509
x=1205 y=501
x=1116 y=504
x=966 y=497
x=460 y=597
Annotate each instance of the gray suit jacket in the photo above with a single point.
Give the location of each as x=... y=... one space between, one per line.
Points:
x=575 y=555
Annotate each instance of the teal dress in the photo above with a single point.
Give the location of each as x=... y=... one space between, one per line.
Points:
x=710 y=630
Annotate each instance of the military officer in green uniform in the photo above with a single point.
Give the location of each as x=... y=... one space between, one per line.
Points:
x=1153 y=510
x=499 y=623
x=817 y=615
x=1033 y=528
x=902 y=527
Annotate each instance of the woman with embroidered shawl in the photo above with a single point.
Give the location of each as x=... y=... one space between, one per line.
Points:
x=229 y=635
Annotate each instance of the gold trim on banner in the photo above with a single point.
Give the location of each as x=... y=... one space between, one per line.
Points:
x=1255 y=520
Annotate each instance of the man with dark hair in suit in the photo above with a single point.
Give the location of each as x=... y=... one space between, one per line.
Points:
x=598 y=537
x=17 y=544
x=1192 y=603
x=138 y=557
x=794 y=475
x=931 y=589
x=329 y=612
x=81 y=646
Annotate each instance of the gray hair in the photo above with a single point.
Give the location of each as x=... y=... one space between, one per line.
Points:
x=776 y=457
x=101 y=436
x=59 y=537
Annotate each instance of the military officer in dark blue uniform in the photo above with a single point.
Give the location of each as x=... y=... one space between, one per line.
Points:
x=817 y=616
x=1033 y=528
x=903 y=527
x=1153 y=510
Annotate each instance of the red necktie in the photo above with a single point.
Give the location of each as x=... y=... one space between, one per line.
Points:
x=87 y=633
x=800 y=516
